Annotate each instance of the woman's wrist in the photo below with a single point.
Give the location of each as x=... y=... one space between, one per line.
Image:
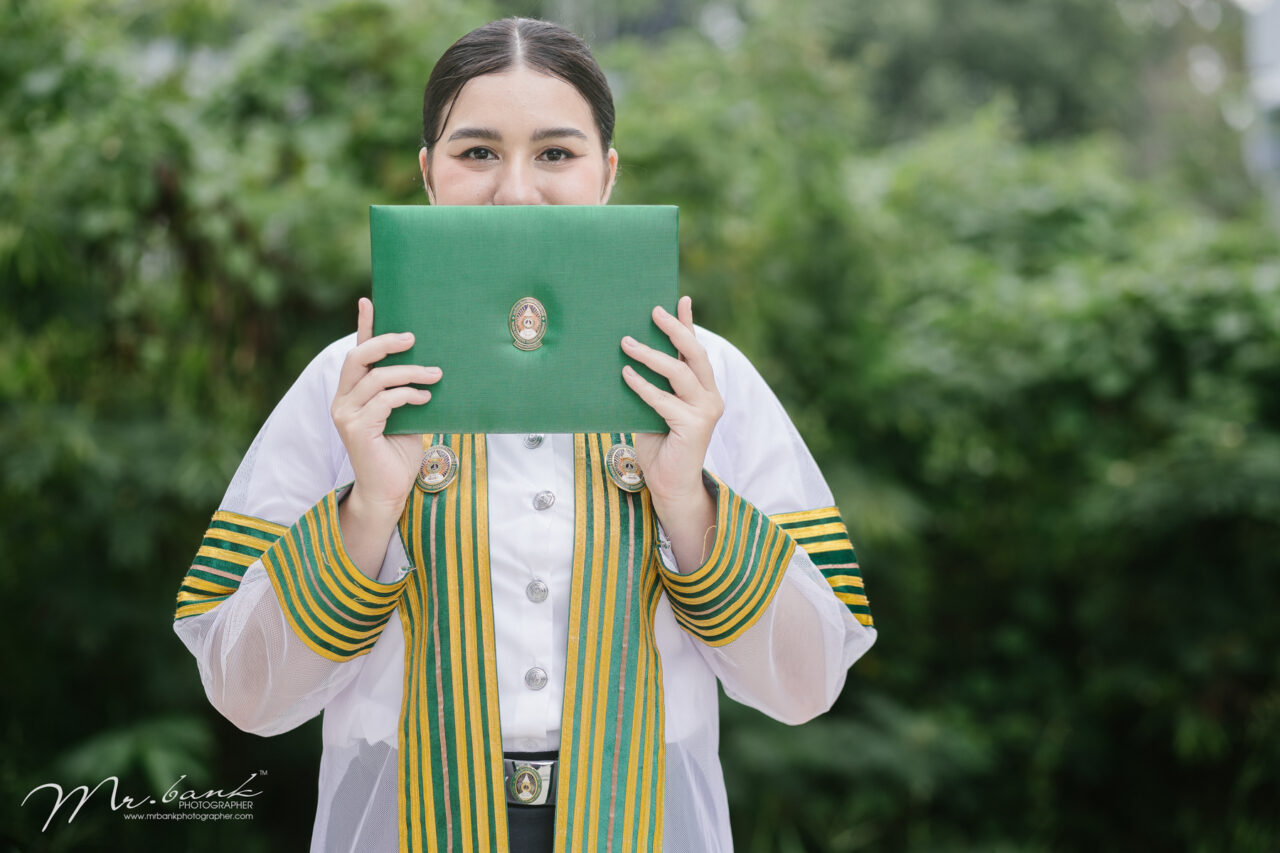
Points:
x=366 y=529
x=689 y=523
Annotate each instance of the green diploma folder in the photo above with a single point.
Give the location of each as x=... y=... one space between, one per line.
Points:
x=465 y=279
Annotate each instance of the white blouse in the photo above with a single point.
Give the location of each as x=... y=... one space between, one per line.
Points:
x=790 y=664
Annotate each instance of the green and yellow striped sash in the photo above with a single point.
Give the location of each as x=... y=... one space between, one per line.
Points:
x=611 y=752
x=822 y=534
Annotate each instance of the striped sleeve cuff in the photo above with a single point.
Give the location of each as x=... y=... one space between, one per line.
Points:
x=232 y=543
x=727 y=594
x=332 y=606
x=823 y=536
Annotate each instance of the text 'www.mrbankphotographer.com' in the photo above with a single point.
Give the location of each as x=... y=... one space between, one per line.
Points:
x=178 y=802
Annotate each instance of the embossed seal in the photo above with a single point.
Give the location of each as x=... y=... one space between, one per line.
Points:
x=528 y=323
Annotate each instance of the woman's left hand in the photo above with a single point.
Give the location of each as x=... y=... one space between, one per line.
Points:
x=672 y=463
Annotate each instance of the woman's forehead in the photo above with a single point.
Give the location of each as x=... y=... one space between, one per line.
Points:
x=520 y=101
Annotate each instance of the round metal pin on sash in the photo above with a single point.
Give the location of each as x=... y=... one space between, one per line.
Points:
x=439 y=468
x=528 y=323
x=623 y=468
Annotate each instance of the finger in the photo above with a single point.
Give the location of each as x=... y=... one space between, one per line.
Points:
x=669 y=407
x=682 y=337
x=684 y=311
x=681 y=377
x=376 y=411
x=364 y=320
x=392 y=376
x=363 y=356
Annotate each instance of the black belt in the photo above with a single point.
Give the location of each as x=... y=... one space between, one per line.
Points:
x=529 y=779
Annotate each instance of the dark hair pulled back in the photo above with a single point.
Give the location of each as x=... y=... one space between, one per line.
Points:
x=504 y=44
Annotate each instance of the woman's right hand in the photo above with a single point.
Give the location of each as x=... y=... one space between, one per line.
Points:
x=385 y=465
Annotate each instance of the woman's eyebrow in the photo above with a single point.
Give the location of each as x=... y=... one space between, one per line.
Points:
x=554 y=132
x=476 y=133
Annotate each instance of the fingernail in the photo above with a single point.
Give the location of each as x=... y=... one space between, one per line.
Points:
x=662 y=310
x=627 y=341
x=406 y=336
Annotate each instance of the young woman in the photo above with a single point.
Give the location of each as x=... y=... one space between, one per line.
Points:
x=515 y=644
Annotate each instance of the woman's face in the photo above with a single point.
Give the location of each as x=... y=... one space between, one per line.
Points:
x=519 y=137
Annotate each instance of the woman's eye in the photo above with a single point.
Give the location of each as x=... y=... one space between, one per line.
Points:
x=556 y=155
x=478 y=154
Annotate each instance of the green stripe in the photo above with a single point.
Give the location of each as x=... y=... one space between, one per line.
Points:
x=227 y=545
x=826 y=558
x=831 y=518
x=814 y=540
x=221 y=565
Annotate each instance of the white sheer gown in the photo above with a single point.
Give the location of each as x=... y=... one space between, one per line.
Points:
x=790 y=664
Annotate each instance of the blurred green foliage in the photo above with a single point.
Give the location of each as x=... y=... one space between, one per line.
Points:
x=997 y=258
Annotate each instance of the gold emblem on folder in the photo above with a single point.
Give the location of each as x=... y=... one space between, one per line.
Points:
x=528 y=323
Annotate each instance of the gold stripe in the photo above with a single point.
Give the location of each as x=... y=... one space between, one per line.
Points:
x=565 y=842
x=784 y=518
x=409 y=825
x=865 y=619
x=209 y=586
x=826 y=547
x=853 y=598
x=589 y=793
x=651 y=807
x=273 y=530
x=453 y=546
x=818 y=530
x=195 y=597
x=195 y=609
x=845 y=580
x=472 y=558
x=433 y=838
x=498 y=798
x=640 y=679
x=248 y=541
x=604 y=583
x=227 y=556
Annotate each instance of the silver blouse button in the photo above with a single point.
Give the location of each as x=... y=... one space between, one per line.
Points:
x=536 y=591
x=533 y=440
x=544 y=500
x=536 y=678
